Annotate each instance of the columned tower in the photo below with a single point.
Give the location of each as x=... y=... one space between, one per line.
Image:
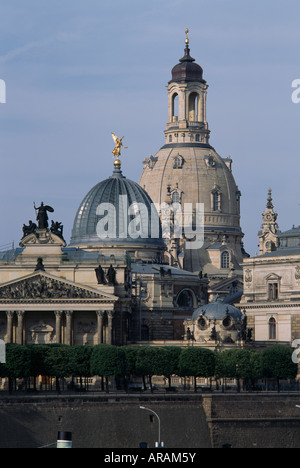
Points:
x=187 y=102
x=189 y=171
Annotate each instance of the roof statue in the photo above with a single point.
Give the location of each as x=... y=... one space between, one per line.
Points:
x=117 y=149
x=41 y=215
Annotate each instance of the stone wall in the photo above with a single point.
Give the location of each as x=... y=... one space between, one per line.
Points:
x=187 y=420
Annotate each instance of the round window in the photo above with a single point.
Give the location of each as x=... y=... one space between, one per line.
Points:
x=202 y=323
x=226 y=322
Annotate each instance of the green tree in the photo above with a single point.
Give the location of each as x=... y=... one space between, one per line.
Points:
x=170 y=362
x=17 y=363
x=197 y=362
x=149 y=362
x=108 y=361
x=130 y=356
x=238 y=364
x=58 y=362
x=38 y=355
x=81 y=362
x=277 y=363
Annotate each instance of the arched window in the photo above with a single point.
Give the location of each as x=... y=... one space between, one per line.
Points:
x=272 y=329
x=175 y=107
x=225 y=260
x=185 y=299
x=193 y=106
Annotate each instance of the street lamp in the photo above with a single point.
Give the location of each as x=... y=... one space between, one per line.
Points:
x=160 y=444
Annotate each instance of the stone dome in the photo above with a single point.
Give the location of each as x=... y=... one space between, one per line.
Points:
x=187 y=70
x=116 y=212
x=195 y=173
x=217 y=309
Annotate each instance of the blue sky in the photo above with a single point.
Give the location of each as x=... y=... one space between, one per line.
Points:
x=76 y=70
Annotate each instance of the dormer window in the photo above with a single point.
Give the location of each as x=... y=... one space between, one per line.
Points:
x=178 y=162
x=225 y=258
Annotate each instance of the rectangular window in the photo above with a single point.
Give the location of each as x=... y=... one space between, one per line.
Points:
x=273 y=291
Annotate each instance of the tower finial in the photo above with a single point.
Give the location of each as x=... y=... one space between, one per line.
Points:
x=187 y=41
x=269 y=203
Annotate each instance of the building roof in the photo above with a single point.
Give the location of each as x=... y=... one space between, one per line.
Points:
x=187 y=70
x=217 y=309
x=102 y=217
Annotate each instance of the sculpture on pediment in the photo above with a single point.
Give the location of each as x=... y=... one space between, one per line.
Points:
x=30 y=229
x=111 y=275
x=39 y=265
x=42 y=215
x=57 y=228
x=100 y=275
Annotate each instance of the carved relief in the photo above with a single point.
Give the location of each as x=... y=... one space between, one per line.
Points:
x=42 y=333
x=248 y=276
x=40 y=287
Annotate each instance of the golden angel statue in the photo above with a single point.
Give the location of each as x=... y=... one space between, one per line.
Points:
x=117 y=149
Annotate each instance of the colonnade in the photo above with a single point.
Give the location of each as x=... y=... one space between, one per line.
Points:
x=64 y=320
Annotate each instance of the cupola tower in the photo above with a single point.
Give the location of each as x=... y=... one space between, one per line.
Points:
x=189 y=171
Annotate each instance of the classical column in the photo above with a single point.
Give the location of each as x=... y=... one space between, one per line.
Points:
x=69 y=314
x=20 y=314
x=9 y=335
x=109 y=327
x=58 y=314
x=100 y=314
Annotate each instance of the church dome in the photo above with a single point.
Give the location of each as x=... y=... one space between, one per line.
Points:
x=116 y=211
x=217 y=309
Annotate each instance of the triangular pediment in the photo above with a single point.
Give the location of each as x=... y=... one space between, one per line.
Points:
x=41 y=286
x=227 y=283
x=272 y=277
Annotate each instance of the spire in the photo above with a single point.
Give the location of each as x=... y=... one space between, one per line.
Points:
x=187 y=41
x=187 y=57
x=269 y=203
x=268 y=235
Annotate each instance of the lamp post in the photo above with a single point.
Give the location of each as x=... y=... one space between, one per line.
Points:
x=160 y=444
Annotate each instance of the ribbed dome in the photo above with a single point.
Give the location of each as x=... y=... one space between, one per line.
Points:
x=217 y=310
x=87 y=224
x=187 y=70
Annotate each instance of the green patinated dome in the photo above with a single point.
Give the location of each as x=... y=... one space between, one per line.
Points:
x=85 y=230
